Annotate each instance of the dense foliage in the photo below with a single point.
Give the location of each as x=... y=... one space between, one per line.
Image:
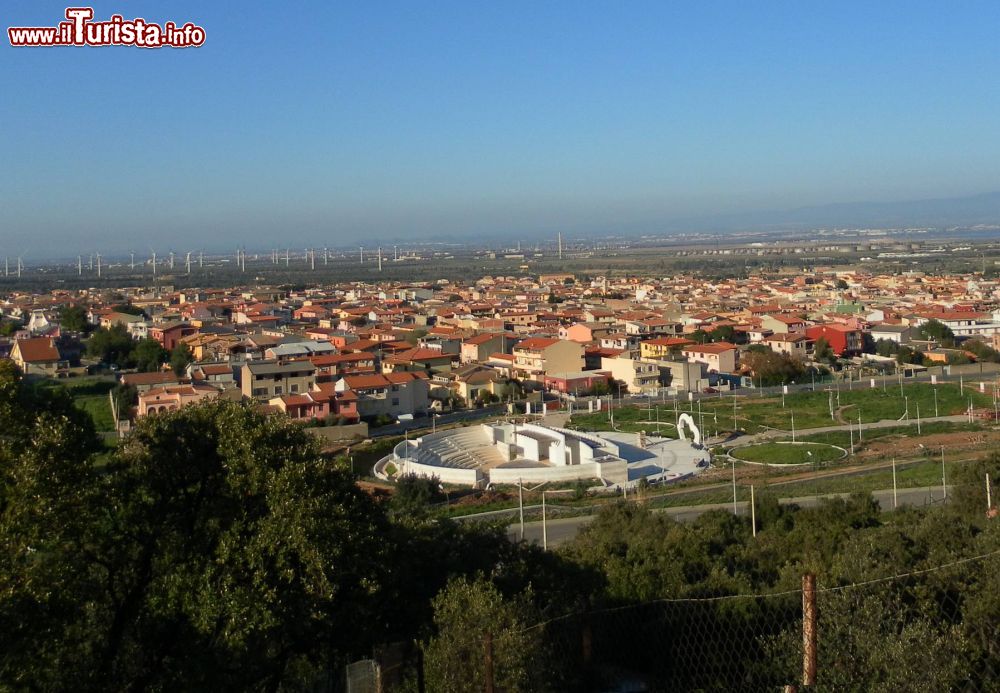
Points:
x=217 y=548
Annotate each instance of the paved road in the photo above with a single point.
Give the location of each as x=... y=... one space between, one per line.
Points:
x=562 y=530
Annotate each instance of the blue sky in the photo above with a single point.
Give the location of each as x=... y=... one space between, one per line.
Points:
x=341 y=123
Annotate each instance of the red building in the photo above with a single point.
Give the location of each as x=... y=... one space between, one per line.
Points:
x=842 y=339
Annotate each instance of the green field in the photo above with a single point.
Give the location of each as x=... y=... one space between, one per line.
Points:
x=89 y=394
x=629 y=419
x=810 y=409
x=788 y=453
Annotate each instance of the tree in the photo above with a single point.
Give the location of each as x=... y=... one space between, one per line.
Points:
x=217 y=549
x=73 y=319
x=463 y=615
x=772 y=368
x=936 y=331
x=129 y=309
x=981 y=351
x=414 y=496
x=149 y=355
x=841 y=284
x=886 y=347
x=824 y=352
x=9 y=327
x=180 y=358
x=112 y=345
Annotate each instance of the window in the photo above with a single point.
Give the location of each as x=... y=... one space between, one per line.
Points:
x=277 y=389
x=294 y=388
x=395 y=401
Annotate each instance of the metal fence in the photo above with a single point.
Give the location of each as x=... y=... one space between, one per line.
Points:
x=932 y=629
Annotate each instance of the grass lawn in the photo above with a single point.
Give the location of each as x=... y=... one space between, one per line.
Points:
x=811 y=409
x=843 y=438
x=629 y=419
x=788 y=453
x=89 y=394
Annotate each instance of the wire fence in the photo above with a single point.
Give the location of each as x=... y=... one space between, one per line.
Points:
x=932 y=629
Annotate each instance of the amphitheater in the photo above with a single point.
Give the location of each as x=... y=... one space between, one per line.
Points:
x=507 y=453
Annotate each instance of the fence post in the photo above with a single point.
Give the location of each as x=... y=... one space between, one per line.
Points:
x=488 y=662
x=809 y=635
x=586 y=640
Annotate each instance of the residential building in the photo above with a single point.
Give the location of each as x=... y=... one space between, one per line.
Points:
x=720 y=357
x=536 y=356
x=264 y=380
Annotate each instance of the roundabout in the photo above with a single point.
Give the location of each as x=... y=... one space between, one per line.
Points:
x=787 y=453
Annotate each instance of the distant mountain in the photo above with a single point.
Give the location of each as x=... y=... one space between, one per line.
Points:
x=951 y=211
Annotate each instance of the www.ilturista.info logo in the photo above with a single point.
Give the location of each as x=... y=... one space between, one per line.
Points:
x=80 y=30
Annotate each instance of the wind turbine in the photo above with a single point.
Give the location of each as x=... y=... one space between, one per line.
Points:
x=132 y=261
x=154 y=262
x=187 y=262
x=98 y=265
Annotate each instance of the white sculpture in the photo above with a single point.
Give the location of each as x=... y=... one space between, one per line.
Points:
x=687 y=421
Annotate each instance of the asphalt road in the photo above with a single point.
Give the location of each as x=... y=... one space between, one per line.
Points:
x=561 y=530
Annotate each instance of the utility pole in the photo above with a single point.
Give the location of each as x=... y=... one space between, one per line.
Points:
x=918 y=418
x=545 y=532
x=734 y=487
x=753 y=513
x=895 y=499
x=944 y=478
x=520 y=504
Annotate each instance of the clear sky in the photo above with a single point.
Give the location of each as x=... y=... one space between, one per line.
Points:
x=338 y=123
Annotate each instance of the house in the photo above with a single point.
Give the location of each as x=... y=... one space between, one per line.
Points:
x=264 y=380
x=417 y=359
x=581 y=382
x=171 y=397
x=662 y=347
x=390 y=394
x=782 y=324
x=719 y=357
x=843 y=340
x=638 y=376
x=144 y=382
x=478 y=348
x=170 y=334
x=791 y=344
x=38 y=356
x=900 y=334
x=473 y=382
x=536 y=356
x=331 y=367
x=217 y=374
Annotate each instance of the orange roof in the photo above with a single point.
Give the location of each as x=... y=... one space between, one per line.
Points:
x=37 y=350
x=533 y=343
x=717 y=348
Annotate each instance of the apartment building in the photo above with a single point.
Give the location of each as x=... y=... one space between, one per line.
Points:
x=263 y=380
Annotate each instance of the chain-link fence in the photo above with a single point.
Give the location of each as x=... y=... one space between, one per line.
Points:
x=928 y=630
